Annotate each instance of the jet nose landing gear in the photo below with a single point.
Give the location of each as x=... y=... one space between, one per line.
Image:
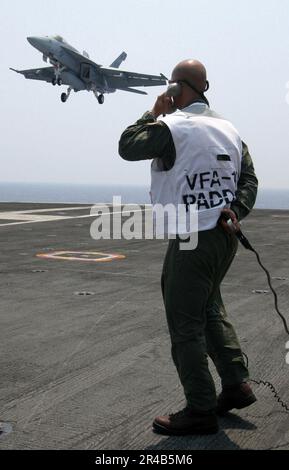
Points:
x=57 y=81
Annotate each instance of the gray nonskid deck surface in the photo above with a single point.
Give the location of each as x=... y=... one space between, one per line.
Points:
x=91 y=372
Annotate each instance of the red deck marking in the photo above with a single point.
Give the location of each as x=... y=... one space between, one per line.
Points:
x=89 y=256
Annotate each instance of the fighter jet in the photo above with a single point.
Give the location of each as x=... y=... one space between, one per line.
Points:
x=79 y=72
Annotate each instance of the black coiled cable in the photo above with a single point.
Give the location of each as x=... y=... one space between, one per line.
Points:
x=245 y=242
x=269 y=385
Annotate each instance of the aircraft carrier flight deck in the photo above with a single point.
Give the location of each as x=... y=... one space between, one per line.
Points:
x=85 y=352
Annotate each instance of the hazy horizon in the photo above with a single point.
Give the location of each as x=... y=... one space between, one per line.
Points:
x=91 y=193
x=108 y=183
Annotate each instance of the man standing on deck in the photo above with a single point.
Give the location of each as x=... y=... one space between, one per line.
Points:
x=195 y=145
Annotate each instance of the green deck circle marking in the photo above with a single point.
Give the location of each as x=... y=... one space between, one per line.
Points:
x=88 y=256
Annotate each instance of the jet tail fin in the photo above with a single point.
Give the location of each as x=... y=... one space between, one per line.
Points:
x=116 y=63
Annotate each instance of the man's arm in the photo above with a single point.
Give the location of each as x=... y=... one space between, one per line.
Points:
x=148 y=139
x=247 y=187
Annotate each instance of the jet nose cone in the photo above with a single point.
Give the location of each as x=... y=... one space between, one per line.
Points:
x=38 y=43
x=32 y=40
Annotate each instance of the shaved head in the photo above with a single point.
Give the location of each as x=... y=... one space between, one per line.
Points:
x=193 y=71
x=192 y=75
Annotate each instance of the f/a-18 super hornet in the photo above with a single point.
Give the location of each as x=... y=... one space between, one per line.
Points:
x=79 y=72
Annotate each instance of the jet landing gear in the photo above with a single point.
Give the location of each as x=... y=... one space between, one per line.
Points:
x=57 y=74
x=57 y=81
x=65 y=96
x=100 y=98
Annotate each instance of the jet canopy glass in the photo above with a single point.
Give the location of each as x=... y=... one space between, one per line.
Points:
x=59 y=38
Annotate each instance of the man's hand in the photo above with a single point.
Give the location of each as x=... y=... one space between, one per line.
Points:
x=229 y=214
x=163 y=105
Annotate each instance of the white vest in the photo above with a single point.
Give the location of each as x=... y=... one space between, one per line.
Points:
x=206 y=170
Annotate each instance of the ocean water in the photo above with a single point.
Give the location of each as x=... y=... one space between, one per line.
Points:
x=90 y=194
x=72 y=193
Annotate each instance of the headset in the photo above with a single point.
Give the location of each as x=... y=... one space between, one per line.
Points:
x=174 y=89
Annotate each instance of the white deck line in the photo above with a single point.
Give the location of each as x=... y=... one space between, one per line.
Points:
x=51 y=209
x=38 y=218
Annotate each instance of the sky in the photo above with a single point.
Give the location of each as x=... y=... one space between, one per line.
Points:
x=244 y=45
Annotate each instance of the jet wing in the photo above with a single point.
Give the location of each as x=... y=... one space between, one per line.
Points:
x=121 y=79
x=46 y=73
